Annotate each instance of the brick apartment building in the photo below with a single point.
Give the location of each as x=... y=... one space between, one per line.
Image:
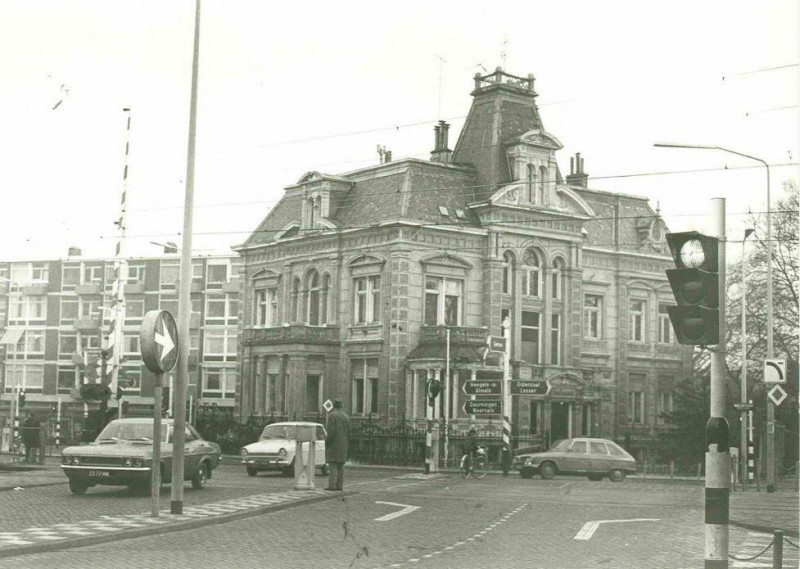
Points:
x=52 y=312
x=352 y=282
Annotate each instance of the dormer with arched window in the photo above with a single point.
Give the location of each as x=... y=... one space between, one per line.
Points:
x=531 y=274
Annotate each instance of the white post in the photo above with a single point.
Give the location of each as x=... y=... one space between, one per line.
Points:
x=507 y=397
x=447 y=396
x=58 y=422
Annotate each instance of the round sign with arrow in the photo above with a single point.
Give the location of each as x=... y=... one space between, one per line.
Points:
x=159 y=341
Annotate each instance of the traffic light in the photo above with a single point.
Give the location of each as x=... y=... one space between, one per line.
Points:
x=695 y=284
x=434 y=387
x=21 y=399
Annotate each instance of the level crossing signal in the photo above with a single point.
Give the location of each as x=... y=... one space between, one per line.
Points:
x=695 y=284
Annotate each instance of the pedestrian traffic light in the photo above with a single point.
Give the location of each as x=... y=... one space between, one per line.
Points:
x=695 y=284
x=434 y=387
x=22 y=399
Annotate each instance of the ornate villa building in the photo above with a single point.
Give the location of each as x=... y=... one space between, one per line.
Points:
x=353 y=283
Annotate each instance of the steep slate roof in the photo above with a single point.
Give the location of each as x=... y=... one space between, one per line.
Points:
x=286 y=211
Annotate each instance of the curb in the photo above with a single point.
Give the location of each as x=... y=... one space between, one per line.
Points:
x=765 y=529
x=72 y=543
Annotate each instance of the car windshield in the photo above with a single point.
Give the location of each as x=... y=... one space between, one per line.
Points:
x=279 y=432
x=560 y=445
x=120 y=431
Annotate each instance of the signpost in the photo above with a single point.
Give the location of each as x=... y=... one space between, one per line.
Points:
x=519 y=387
x=158 y=338
x=482 y=387
x=483 y=407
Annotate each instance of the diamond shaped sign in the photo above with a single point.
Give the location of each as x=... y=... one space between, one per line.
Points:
x=777 y=394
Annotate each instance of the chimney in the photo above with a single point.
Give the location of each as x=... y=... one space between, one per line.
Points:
x=74 y=251
x=441 y=153
x=577 y=177
x=384 y=155
x=170 y=247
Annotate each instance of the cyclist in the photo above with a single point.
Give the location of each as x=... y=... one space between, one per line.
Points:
x=471 y=446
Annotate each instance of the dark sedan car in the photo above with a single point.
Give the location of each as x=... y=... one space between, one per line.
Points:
x=596 y=458
x=122 y=455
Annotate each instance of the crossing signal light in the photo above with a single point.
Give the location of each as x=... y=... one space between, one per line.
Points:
x=434 y=387
x=695 y=284
x=22 y=399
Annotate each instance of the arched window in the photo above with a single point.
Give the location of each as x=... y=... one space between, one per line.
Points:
x=313 y=298
x=531 y=181
x=296 y=300
x=556 y=279
x=508 y=272
x=531 y=274
x=542 y=183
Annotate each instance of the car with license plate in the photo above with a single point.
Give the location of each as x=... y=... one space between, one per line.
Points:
x=122 y=455
x=595 y=458
x=276 y=447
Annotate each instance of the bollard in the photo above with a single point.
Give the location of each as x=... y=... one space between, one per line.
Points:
x=304 y=465
x=777 y=549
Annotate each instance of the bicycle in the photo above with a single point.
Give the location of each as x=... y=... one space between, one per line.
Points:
x=476 y=468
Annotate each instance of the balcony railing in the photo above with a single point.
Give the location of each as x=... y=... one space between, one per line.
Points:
x=87 y=324
x=294 y=333
x=458 y=335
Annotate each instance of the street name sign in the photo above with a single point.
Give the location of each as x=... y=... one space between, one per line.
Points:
x=774 y=370
x=482 y=387
x=159 y=341
x=777 y=394
x=497 y=344
x=541 y=387
x=483 y=407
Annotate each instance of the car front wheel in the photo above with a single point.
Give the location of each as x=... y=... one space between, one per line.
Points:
x=199 y=480
x=617 y=475
x=78 y=488
x=547 y=470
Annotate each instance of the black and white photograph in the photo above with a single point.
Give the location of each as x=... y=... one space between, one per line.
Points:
x=416 y=285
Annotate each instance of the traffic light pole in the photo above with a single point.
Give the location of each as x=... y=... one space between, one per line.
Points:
x=717 y=436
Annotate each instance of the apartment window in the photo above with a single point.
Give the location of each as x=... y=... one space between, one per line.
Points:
x=664 y=325
x=134 y=311
x=93 y=274
x=555 y=339
x=531 y=275
x=170 y=273
x=28 y=273
x=531 y=337
x=267 y=307
x=313 y=393
x=221 y=308
x=637 y=320
x=27 y=309
x=131 y=345
x=219 y=383
x=29 y=345
x=71 y=277
x=367 y=300
x=665 y=406
x=365 y=386
x=89 y=341
x=443 y=301
x=197 y=272
x=66 y=378
x=217 y=275
x=219 y=344
x=89 y=309
x=556 y=280
x=636 y=407
x=24 y=376
x=135 y=273
x=508 y=267
x=593 y=317
x=67 y=345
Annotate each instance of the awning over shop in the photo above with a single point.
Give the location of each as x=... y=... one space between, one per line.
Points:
x=11 y=336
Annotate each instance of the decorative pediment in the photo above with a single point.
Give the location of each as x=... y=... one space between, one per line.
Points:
x=446 y=265
x=291 y=229
x=311 y=176
x=652 y=235
x=539 y=137
x=515 y=194
x=265 y=277
x=366 y=265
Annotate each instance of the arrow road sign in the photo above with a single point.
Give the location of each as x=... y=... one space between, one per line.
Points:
x=775 y=370
x=520 y=387
x=406 y=510
x=159 y=341
x=482 y=387
x=777 y=394
x=483 y=407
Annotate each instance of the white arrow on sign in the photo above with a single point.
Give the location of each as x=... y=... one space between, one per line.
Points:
x=406 y=510
x=167 y=344
x=588 y=529
x=775 y=370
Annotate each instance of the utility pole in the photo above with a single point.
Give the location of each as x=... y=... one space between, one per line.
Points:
x=718 y=462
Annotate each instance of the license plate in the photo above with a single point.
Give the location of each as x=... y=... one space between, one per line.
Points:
x=99 y=474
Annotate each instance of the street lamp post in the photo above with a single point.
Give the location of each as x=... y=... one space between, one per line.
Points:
x=770 y=343
x=743 y=391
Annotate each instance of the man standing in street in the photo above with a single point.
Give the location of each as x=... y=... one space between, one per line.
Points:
x=30 y=438
x=338 y=428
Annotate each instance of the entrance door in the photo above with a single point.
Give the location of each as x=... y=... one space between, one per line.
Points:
x=559 y=420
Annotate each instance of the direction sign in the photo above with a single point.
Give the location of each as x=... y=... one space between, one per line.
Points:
x=483 y=407
x=497 y=344
x=775 y=370
x=777 y=394
x=519 y=387
x=159 y=341
x=482 y=387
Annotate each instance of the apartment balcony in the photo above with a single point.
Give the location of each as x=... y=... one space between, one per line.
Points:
x=466 y=344
x=458 y=335
x=292 y=334
x=134 y=288
x=89 y=288
x=87 y=324
x=37 y=289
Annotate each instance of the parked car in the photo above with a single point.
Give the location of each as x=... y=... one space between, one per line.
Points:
x=596 y=458
x=276 y=447
x=122 y=455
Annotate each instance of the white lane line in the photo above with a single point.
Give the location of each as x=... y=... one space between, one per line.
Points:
x=406 y=510
x=588 y=529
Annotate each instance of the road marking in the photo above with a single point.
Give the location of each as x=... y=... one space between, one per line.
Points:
x=588 y=529
x=406 y=510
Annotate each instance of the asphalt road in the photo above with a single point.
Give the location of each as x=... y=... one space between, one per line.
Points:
x=400 y=519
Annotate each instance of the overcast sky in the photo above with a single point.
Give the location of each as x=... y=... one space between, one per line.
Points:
x=289 y=87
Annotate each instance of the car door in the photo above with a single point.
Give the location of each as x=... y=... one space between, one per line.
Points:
x=319 y=455
x=192 y=453
x=599 y=459
x=576 y=457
